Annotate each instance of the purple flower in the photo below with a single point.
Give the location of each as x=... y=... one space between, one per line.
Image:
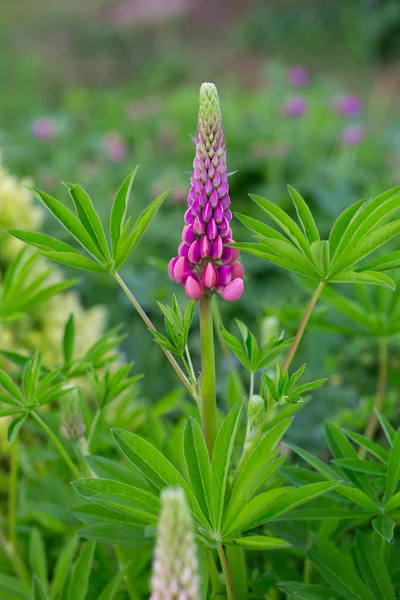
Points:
x=349 y=105
x=205 y=263
x=114 y=146
x=353 y=135
x=298 y=76
x=296 y=106
x=43 y=129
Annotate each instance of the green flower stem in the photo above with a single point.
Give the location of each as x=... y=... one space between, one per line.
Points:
x=302 y=326
x=214 y=575
x=380 y=394
x=57 y=444
x=226 y=572
x=150 y=325
x=93 y=426
x=12 y=499
x=237 y=568
x=208 y=406
x=251 y=388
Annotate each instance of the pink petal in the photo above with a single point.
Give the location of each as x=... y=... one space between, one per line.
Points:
x=233 y=290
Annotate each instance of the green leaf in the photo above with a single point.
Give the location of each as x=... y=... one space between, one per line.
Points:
x=15 y=426
x=155 y=467
x=260 y=228
x=386 y=426
x=69 y=221
x=111 y=590
x=12 y=589
x=119 y=208
x=287 y=224
x=339 y=572
x=306 y=591
x=361 y=466
x=220 y=462
x=140 y=504
x=38 y=589
x=384 y=525
x=393 y=469
x=290 y=254
x=315 y=462
x=78 y=261
x=81 y=572
x=127 y=246
x=62 y=567
x=393 y=503
x=69 y=340
x=198 y=465
x=7 y=383
x=373 y=568
x=371 y=277
x=89 y=218
x=115 y=533
x=42 y=241
x=260 y=542
x=371 y=447
x=341 y=448
x=37 y=556
x=269 y=505
x=259 y=250
x=304 y=214
x=320 y=252
x=357 y=496
x=385 y=263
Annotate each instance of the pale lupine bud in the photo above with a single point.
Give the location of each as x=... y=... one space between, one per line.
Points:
x=72 y=426
x=205 y=263
x=175 y=566
x=255 y=415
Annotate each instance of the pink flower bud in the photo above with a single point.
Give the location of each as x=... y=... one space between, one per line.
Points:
x=209 y=187
x=212 y=230
x=217 y=248
x=218 y=213
x=180 y=268
x=207 y=213
x=233 y=290
x=194 y=289
x=189 y=217
x=171 y=266
x=205 y=247
x=227 y=255
x=210 y=276
x=223 y=227
x=183 y=249
x=194 y=252
x=237 y=270
x=214 y=199
x=188 y=235
x=224 y=275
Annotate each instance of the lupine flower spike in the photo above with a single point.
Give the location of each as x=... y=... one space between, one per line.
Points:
x=175 y=567
x=205 y=263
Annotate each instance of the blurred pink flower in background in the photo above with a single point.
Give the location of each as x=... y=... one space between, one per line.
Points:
x=114 y=146
x=349 y=105
x=298 y=76
x=296 y=106
x=353 y=135
x=43 y=129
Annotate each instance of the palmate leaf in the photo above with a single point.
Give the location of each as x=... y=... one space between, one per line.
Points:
x=359 y=231
x=198 y=464
x=373 y=568
x=260 y=542
x=119 y=209
x=306 y=591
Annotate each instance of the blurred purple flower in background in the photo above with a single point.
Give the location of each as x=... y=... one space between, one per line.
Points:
x=114 y=146
x=349 y=105
x=298 y=76
x=353 y=135
x=43 y=129
x=296 y=106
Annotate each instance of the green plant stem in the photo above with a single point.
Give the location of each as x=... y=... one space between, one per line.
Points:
x=190 y=365
x=372 y=425
x=12 y=498
x=208 y=406
x=93 y=426
x=150 y=325
x=251 y=387
x=214 y=575
x=57 y=444
x=226 y=572
x=235 y=557
x=302 y=326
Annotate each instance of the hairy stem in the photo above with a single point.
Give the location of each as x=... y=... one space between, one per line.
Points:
x=58 y=445
x=226 y=572
x=12 y=499
x=208 y=406
x=380 y=394
x=150 y=325
x=225 y=349
x=302 y=326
